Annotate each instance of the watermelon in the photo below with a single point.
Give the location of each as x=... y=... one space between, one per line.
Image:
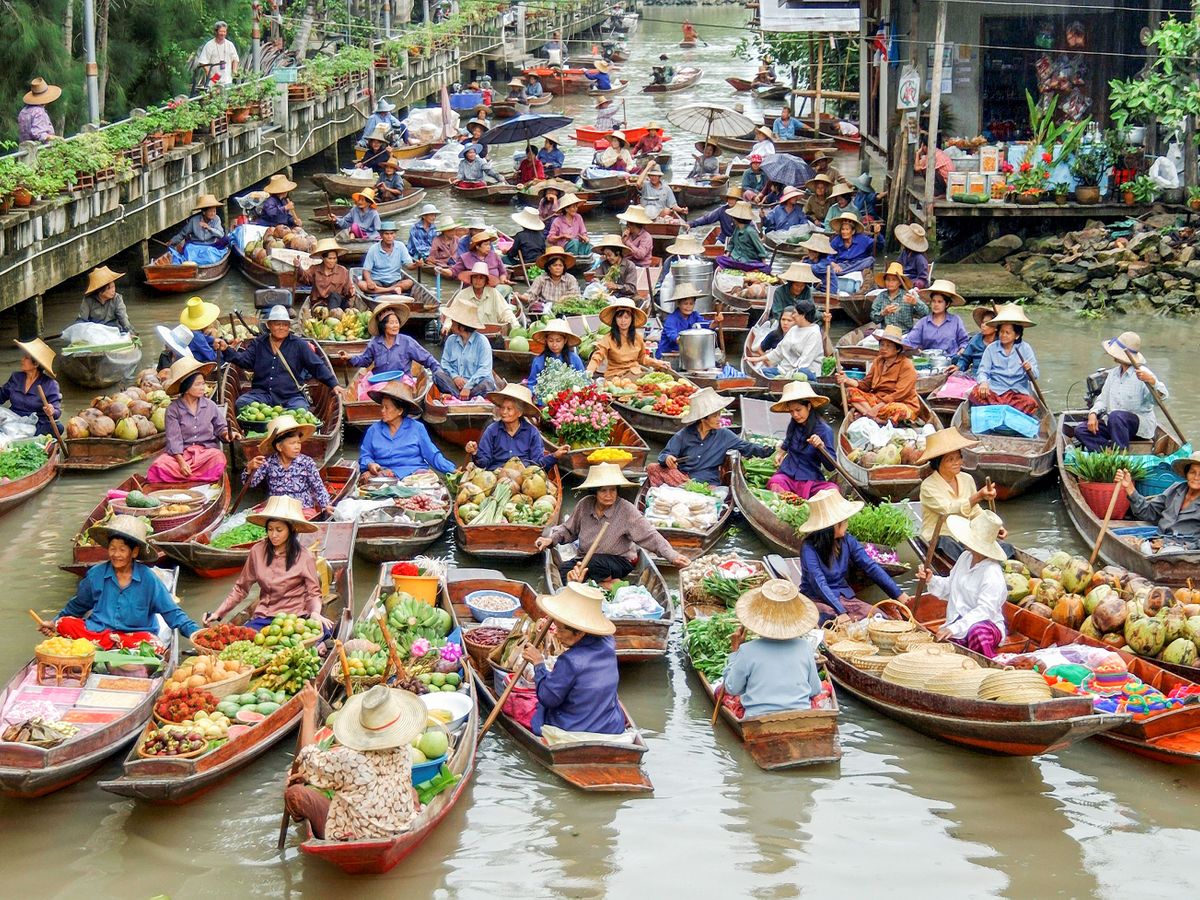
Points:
x=236 y=731
x=248 y=716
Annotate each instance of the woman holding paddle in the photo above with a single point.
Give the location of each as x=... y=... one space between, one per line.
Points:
x=32 y=389
x=1009 y=367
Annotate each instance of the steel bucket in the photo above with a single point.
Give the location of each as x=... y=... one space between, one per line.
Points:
x=697 y=349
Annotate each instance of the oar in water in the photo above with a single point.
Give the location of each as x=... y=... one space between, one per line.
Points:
x=1112 y=502
x=929 y=552
x=1159 y=401
x=524 y=271
x=53 y=424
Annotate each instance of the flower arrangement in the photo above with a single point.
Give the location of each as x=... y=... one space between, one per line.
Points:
x=558 y=377
x=582 y=417
x=1032 y=177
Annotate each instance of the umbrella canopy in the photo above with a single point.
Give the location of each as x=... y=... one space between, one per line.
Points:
x=785 y=169
x=710 y=120
x=524 y=128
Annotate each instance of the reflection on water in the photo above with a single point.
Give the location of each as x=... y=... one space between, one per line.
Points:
x=900 y=811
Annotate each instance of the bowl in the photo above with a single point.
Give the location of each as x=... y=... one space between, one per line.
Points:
x=457 y=703
x=422 y=772
x=480 y=613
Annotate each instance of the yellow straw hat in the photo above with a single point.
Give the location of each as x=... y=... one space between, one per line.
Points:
x=206 y=201
x=279 y=184
x=39 y=351
x=893 y=269
x=518 y=393
x=946 y=288
x=198 y=313
x=398 y=307
x=400 y=392
x=799 y=272
x=326 y=245
x=41 y=92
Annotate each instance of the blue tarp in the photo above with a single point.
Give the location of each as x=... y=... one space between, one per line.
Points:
x=1000 y=419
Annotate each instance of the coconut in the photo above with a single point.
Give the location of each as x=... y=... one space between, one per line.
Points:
x=134 y=393
x=1116 y=640
x=1175 y=620
x=1145 y=635
x=1059 y=558
x=869 y=459
x=1015 y=565
x=535 y=486
x=1018 y=586
x=1156 y=600
x=1089 y=629
x=469 y=492
x=126 y=430
x=1191 y=609
x=1055 y=572
x=468 y=511
x=482 y=479
x=909 y=456
x=888 y=456
x=1040 y=609
x=514 y=470
x=1180 y=652
x=77 y=427
x=102 y=426
x=117 y=409
x=1069 y=611
x=1191 y=629
x=145 y=428
x=1110 y=614
x=1077 y=574
x=140 y=408
x=1135 y=583
x=159 y=418
x=1097 y=595
x=1049 y=592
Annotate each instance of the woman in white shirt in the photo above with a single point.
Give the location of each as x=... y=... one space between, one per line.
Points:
x=801 y=349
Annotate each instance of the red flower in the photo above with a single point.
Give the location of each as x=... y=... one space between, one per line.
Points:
x=216 y=76
x=1025 y=166
x=1047 y=158
x=405 y=568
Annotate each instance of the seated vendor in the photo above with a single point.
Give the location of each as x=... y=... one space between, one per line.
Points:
x=683 y=317
x=801 y=349
x=203 y=226
x=699 y=449
x=388 y=350
x=896 y=304
x=398 y=444
x=123 y=596
x=329 y=279
x=1174 y=511
x=512 y=434
x=530 y=242
x=941 y=329
x=801 y=463
x=492 y=308
x=623 y=350
x=281 y=363
x=617 y=272
x=788 y=214
x=287 y=470
x=853 y=254
x=888 y=392
x=966 y=363
x=195 y=427
x=1008 y=365
x=554 y=284
x=1125 y=408
x=466 y=362
x=913 y=260
x=36 y=373
x=560 y=343
x=361 y=222
x=948 y=490
x=383 y=268
x=744 y=250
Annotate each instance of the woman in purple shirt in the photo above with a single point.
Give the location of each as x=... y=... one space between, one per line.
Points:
x=580 y=693
x=512 y=434
x=388 y=349
x=195 y=427
x=21 y=389
x=277 y=209
x=288 y=472
x=912 y=258
x=939 y=330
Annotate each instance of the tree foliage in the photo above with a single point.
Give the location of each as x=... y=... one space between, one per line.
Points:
x=1169 y=88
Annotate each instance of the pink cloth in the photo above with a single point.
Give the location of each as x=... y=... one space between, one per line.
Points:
x=782 y=484
x=208 y=464
x=521 y=704
x=641 y=248
x=957 y=387
x=982 y=637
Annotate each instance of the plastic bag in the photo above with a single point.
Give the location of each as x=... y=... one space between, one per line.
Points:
x=1164 y=174
x=92 y=333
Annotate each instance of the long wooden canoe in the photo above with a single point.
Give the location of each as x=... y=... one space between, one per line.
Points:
x=638 y=640
x=14 y=493
x=592 y=766
x=334 y=350
x=806 y=149
x=825 y=386
x=685 y=77
x=698 y=195
x=856 y=306
x=505 y=541
x=338 y=185
x=851 y=355
x=328 y=214
x=1014 y=464
x=430 y=178
x=101 y=369
x=623 y=438
x=497 y=194
x=98 y=454
x=899 y=482
x=383 y=538
x=265 y=276
x=169 y=278
x=28 y=771
x=691 y=542
x=740 y=84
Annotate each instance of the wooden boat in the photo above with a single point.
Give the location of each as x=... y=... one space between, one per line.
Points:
x=15 y=492
x=699 y=195
x=498 y=194
x=430 y=178
x=458 y=423
x=830 y=129
x=176 y=781
x=338 y=185
x=892 y=483
x=851 y=356
x=687 y=45
x=623 y=438
x=770 y=92
x=805 y=148
x=502 y=109
x=362 y=414
x=685 y=77
x=265 y=276
x=507 y=541
x=28 y=771
x=513 y=363
x=98 y=454
x=740 y=84
x=825 y=386
x=784 y=248
x=588 y=135
x=856 y=306
x=618 y=88
x=603 y=183
x=334 y=350
x=1169 y=567
x=168 y=278
x=691 y=542
x=99 y=370
x=543 y=100
x=1015 y=464
x=417 y=151
x=197 y=553
x=85 y=553
x=383 y=539
x=422 y=304
x=328 y=214
x=592 y=766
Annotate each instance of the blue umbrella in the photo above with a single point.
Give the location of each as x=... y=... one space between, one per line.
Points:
x=785 y=169
x=524 y=128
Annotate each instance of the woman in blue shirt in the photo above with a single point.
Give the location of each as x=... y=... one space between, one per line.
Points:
x=278 y=208
x=801 y=463
x=683 y=317
x=398 y=444
x=560 y=344
x=512 y=434
x=550 y=156
x=853 y=254
x=1008 y=365
x=580 y=693
x=967 y=361
x=21 y=389
x=389 y=350
x=828 y=555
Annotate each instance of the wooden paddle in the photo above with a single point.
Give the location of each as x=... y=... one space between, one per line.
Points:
x=1037 y=388
x=587 y=557
x=1112 y=503
x=499 y=707
x=58 y=435
x=829 y=348
x=42 y=623
x=987 y=482
x=524 y=271
x=393 y=651
x=346 y=680
x=929 y=552
x=1157 y=399
x=720 y=328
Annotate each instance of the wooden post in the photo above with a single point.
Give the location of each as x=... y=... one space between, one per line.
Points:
x=817 y=86
x=935 y=107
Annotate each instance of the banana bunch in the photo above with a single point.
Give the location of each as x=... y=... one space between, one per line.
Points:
x=290 y=669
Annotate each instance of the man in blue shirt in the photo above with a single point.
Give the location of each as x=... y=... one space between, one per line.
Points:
x=384 y=265
x=787 y=214
x=785 y=127
x=551 y=157
x=383 y=116
x=422 y=233
x=467 y=356
x=512 y=434
x=700 y=448
x=720 y=216
x=281 y=363
x=533 y=87
x=599 y=76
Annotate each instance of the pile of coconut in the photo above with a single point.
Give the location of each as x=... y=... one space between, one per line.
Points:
x=134 y=413
x=279 y=237
x=514 y=494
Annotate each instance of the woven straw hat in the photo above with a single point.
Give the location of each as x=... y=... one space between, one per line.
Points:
x=367 y=194
x=798 y=392
x=915 y=670
x=480 y=236
x=398 y=391
x=686 y=245
x=609 y=313
x=566 y=200
x=636 y=215
x=913 y=237
x=283 y=509
x=479 y=268
x=279 y=428
x=893 y=269
x=742 y=212
x=791 y=193
x=206 y=201
x=41 y=92
x=1014 y=686
x=101 y=276
x=818 y=243
x=279 y=184
x=979 y=313
x=733 y=190
x=1011 y=314
x=605 y=475
x=39 y=351
x=517 y=393
x=847 y=215
x=841 y=190
x=528 y=218
x=610 y=241
x=399 y=307
x=578 y=606
x=891 y=333
x=799 y=272
x=556 y=253
x=602 y=65
x=326 y=245
x=826 y=508
x=686 y=292
x=821 y=179
x=703 y=404
x=181 y=369
x=131 y=528
x=1129 y=341
x=960 y=680
x=944 y=441
x=446 y=222
x=620 y=136
x=777 y=610
x=946 y=288
x=558 y=326
x=979 y=533
x=465 y=313
x=1180 y=466
x=381 y=132
x=381 y=718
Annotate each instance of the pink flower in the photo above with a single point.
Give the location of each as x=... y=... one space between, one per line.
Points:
x=452 y=653
x=419 y=648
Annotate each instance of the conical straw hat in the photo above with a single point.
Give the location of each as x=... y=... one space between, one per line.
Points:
x=777 y=610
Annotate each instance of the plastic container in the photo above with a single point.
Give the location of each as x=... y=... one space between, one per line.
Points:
x=480 y=614
x=423 y=587
x=422 y=772
x=466 y=100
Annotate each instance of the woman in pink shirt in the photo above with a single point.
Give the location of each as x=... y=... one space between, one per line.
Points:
x=567 y=229
x=636 y=237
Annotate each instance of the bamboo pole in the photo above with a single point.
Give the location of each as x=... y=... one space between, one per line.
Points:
x=935 y=109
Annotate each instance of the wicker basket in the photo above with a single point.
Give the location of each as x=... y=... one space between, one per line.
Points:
x=885 y=632
x=142 y=741
x=906 y=642
x=479 y=654
x=63 y=667
x=234 y=685
x=914 y=670
x=847 y=648
x=1014 y=686
x=362 y=682
x=962 y=680
x=931 y=647
x=870 y=662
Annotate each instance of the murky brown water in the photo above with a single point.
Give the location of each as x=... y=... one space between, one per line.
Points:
x=901 y=813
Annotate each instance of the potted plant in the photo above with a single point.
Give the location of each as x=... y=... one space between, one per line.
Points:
x=1141 y=190
x=1090 y=165
x=1031 y=179
x=1097 y=474
x=1061 y=189
x=1193 y=194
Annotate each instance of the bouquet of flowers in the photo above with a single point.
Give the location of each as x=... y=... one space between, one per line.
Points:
x=558 y=377
x=1033 y=176
x=582 y=418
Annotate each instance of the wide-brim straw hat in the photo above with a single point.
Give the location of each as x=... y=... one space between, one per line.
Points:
x=392 y=162
x=819 y=157
x=826 y=508
x=398 y=391
x=609 y=314
x=206 y=201
x=569 y=199
x=946 y=288
x=980 y=312
x=465 y=313
x=381 y=718
x=367 y=194
x=777 y=610
x=1123 y=346
x=847 y=215
x=703 y=404
x=913 y=237
x=101 y=276
x=818 y=243
x=636 y=215
x=555 y=253
x=654 y=170
x=893 y=333
x=557 y=326
x=528 y=218
x=603 y=100
x=944 y=441
x=893 y=269
x=686 y=245
x=795 y=392
x=841 y=190
x=578 y=606
x=41 y=92
x=979 y=533
x=1011 y=314
x=39 y=351
x=519 y=394
x=791 y=192
x=279 y=184
x=605 y=475
x=399 y=307
x=183 y=368
x=742 y=212
x=516 y=82
x=429 y=209
x=1180 y=466
x=620 y=136
x=479 y=268
x=384 y=106
x=602 y=65
x=799 y=272
x=279 y=428
x=765 y=132
x=733 y=189
x=687 y=292
x=327 y=245
x=381 y=132
x=479 y=237
x=131 y=528
x=611 y=242
x=446 y=222
x=821 y=179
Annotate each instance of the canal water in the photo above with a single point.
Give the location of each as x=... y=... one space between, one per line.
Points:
x=900 y=813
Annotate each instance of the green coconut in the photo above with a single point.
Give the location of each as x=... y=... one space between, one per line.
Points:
x=1180 y=652
x=1145 y=635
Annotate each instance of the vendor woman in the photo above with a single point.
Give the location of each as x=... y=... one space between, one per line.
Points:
x=389 y=350
x=616 y=270
x=1008 y=365
x=398 y=444
x=941 y=329
x=777 y=671
x=623 y=349
x=123 y=596
x=798 y=280
x=580 y=693
x=830 y=553
x=683 y=317
x=628 y=530
x=512 y=434
x=888 y=392
x=966 y=363
x=697 y=451
x=948 y=490
x=285 y=572
x=896 y=304
x=801 y=463
x=555 y=283
x=21 y=389
x=287 y=470
x=195 y=427
x=1174 y=511
x=559 y=344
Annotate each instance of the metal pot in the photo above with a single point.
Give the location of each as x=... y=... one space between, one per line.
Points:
x=697 y=349
x=696 y=272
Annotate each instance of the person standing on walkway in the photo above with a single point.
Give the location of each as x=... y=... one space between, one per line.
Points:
x=219 y=57
x=33 y=122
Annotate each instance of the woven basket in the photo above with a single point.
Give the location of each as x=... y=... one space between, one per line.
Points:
x=1015 y=686
x=914 y=670
x=478 y=653
x=869 y=662
x=142 y=741
x=846 y=648
x=961 y=680
x=930 y=647
x=885 y=632
x=362 y=682
x=913 y=639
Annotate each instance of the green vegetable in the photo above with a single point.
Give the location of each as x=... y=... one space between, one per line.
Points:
x=138 y=500
x=578 y=306
x=698 y=487
x=491 y=510
x=20 y=460
x=828 y=365
x=794 y=514
x=730 y=589
x=960 y=197
x=885 y=525
x=758 y=470
x=1101 y=467
x=558 y=377
x=246 y=533
x=707 y=642
x=444 y=779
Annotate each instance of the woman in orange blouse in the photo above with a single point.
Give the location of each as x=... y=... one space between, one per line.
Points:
x=888 y=392
x=623 y=348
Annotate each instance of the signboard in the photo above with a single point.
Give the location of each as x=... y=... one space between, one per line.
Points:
x=908 y=93
x=809 y=15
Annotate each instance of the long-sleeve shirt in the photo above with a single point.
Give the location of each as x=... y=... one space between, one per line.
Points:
x=580 y=694
x=906 y=313
x=539 y=365
x=497 y=446
x=375 y=159
x=370 y=798
x=835 y=209
x=701 y=458
x=366 y=219
x=24 y=402
x=393 y=182
x=717 y=217
x=609 y=118
x=949 y=337
x=745 y=246
x=530 y=170
x=676 y=322
x=326 y=284
x=551 y=159
x=620 y=360
x=801 y=349
x=125 y=609
x=420 y=238
x=656 y=200
x=939 y=499
x=628 y=530
x=198 y=230
x=470 y=359
x=621 y=278
x=892 y=381
x=783 y=297
x=816 y=208
x=386 y=268
x=280 y=590
x=1165 y=510
x=974 y=593
x=33 y=123
x=786 y=131
x=546 y=290
x=399 y=357
x=968 y=358
x=603 y=82
x=705 y=167
x=1125 y=391
x=781 y=218
x=916 y=267
x=275 y=212
x=442 y=250
x=641 y=247
x=772 y=676
x=1004 y=371
x=476 y=170
x=203 y=428
x=534 y=90
x=270 y=374
x=111 y=313
x=493 y=309
x=410 y=449
x=754 y=181
x=467 y=260
x=826 y=582
x=616 y=160
x=856 y=256
x=376 y=119
x=301 y=480
x=566 y=228
x=527 y=245
x=802 y=461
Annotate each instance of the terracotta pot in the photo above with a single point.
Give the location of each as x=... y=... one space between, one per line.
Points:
x=1028 y=199
x=239 y=114
x=1127 y=196
x=1194 y=204
x=5 y=204
x=168 y=141
x=183 y=138
x=1088 y=196
x=22 y=197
